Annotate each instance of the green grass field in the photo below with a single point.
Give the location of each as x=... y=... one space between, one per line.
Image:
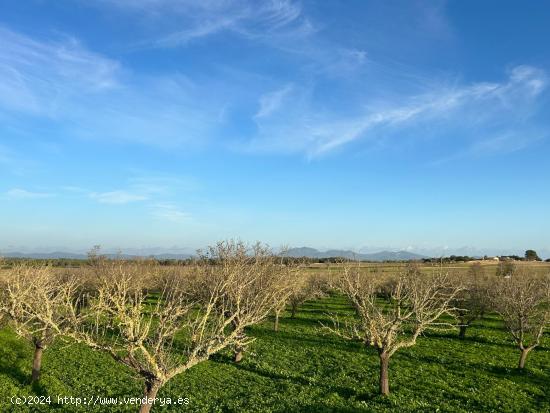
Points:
x=302 y=369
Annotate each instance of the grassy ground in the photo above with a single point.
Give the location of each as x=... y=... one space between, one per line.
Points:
x=300 y=369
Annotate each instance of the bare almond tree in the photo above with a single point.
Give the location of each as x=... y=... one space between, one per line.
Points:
x=193 y=312
x=473 y=301
x=258 y=282
x=138 y=326
x=281 y=300
x=297 y=287
x=34 y=298
x=307 y=287
x=523 y=302
x=417 y=302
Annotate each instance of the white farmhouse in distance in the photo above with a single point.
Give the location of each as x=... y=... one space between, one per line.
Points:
x=486 y=258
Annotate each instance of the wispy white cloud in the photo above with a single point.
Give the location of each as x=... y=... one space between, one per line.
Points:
x=117 y=197
x=272 y=101
x=35 y=76
x=501 y=143
x=186 y=20
x=148 y=188
x=169 y=212
x=202 y=29
x=74 y=189
x=113 y=104
x=302 y=127
x=90 y=96
x=153 y=183
x=19 y=194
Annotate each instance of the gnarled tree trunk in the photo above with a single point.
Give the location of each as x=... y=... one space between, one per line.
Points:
x=238 y=356
x=384 y=376
x=37 y=361
x=523 y=357
x=462 y=331
x=151 y=389
x=238 y=350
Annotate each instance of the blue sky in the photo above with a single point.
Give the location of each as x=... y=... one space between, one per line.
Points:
x=134 y=124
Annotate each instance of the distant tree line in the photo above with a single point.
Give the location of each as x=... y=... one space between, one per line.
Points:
x=530 y=255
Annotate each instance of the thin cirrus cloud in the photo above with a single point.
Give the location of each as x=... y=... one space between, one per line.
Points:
x=500 y=143
x=38 y=76
x=272 y=101
x=169 y=212
x=201 y=19
x=117 y=197
x=23 y=194
x=43 y=79
x=499 y=108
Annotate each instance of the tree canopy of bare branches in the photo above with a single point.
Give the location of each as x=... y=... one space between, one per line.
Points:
x=473 y=301
x=523 y=302
x=298 y=287
x=416 y=302
x=160 y=323
x=33 y=299
x=257 y=282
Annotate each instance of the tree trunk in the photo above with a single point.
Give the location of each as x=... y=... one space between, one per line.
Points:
x=293 y=311
x=238 y=349
x=238 y=356
x=462 y=332
x=523 y=357
x=149 y=394
x=37 y=361
x=384 y=377
x=276 y=323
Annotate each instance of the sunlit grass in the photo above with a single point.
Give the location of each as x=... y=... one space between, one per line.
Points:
x=300 y=368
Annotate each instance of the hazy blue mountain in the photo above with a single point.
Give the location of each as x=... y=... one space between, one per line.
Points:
x=68 y=255
x=394 y=256
x=293 y=252
x=43 y=255
x=376 y=256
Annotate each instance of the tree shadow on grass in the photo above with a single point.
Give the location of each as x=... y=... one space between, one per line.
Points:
x=472 y=338
x=528 y=377
x=12 y=354
x=344 y=392
x=39 y=389
x=294 y=377
x=311 y=340
x=533 y=378
x=299 y=321
x=323 y=306
x=513 y=373
x=321 y=408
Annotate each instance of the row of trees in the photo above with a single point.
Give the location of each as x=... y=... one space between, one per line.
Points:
x=162 y=320
x=392 y=312
x=158 y=321
x=530 y=255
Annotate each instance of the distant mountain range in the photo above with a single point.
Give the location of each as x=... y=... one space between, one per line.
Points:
x=375 y=256
x=76 y=256
x=181 y=254
x=293 y=252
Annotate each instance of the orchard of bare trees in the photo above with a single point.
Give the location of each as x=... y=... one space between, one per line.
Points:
x=161 y=321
